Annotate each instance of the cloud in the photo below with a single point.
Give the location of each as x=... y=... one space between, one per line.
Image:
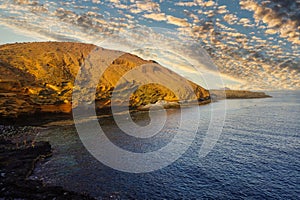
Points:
x=281 y=17
x=187 y=4
x=135 y=10
x=147 y=6
x=271 y=31
x=222 y=9
x=177 y=21
x=156 y=16
x=230 y=18
x=245 y=22
x=209 y=3
x=115 y=1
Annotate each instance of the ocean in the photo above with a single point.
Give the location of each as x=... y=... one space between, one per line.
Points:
x=255 y=157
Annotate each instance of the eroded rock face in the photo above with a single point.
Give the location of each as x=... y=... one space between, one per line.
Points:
x=39 y=77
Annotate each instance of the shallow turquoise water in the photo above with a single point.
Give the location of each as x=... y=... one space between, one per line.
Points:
x=256 y=157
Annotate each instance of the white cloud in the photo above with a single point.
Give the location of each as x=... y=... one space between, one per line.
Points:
x=156 y=16
x=177 y=21
x=187 y=4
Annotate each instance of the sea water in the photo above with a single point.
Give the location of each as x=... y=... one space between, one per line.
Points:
x=256 y=156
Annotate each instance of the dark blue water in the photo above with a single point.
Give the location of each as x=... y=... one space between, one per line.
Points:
x=256 y=157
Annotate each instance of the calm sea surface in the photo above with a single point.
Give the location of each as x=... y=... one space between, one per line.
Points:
x=256 y=157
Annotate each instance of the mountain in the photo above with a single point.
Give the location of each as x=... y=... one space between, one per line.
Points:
x=39 y=78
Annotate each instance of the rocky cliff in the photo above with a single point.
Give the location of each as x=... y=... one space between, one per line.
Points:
x=39 y=78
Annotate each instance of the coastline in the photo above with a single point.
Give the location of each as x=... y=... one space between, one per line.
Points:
x=18 y=141
x=44 y=118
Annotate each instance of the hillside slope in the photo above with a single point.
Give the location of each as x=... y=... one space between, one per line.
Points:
x=39 y=77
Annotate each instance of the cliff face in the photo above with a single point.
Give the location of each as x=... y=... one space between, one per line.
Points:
x=39 y=77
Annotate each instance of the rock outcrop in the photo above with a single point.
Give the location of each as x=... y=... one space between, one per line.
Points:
x=236 y=94
x=39 y=78
x=17 y=163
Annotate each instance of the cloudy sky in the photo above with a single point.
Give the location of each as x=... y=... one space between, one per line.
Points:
x=252 y=44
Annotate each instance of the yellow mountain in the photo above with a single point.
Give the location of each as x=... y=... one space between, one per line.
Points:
x=39 y=78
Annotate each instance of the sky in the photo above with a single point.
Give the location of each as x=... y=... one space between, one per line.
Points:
x=240 y=44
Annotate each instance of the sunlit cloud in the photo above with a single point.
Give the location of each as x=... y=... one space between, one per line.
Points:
x=177 y=21
x=156 y=16
x=281 y=17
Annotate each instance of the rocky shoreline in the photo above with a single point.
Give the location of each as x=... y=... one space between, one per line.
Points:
x=18 y=155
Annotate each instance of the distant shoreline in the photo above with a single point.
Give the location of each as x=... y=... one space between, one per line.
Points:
x=237 y=94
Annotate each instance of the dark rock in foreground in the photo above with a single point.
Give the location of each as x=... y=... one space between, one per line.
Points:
x=17 y=163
